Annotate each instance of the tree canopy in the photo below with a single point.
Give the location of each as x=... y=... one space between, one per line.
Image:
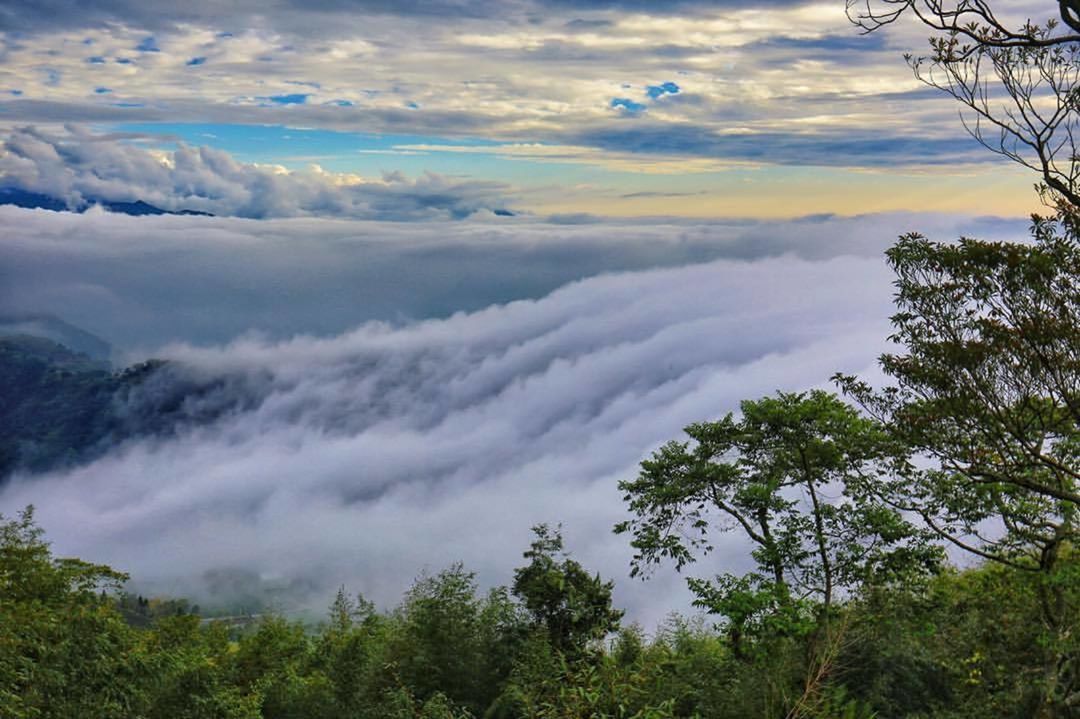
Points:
x=796 y=475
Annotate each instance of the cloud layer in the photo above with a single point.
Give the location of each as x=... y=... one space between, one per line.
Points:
x=79 y=168
x=140 y=282
x=551 y=72
x=381 y=451
x=366 y=455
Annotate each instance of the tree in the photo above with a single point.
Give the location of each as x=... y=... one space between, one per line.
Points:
x=1017 y=83
x=438 y=644
x=987 y=388
x=64 y=649
x=797 y=476
x=988 y=385
x=572 y=605
x=349 y=649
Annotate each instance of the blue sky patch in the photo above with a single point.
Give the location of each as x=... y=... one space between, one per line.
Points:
x=124 y=61
x=627 y=105
x=148 y=44
x=343 y=103
x=667 y=88
x=102 y=90
x=196 y=61
x=290 y=99
x=96 y=60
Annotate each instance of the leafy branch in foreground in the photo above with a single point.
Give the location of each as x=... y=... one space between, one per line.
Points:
x=1015 y=80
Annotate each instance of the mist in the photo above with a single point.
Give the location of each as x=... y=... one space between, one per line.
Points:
x=389 y=398
x=364 y=458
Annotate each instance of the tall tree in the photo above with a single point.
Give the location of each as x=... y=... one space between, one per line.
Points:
x=64 y=649
x=562 y=597
x=797 y=476
x=986 y=388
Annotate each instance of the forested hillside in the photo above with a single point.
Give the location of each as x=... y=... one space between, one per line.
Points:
x=60 y=408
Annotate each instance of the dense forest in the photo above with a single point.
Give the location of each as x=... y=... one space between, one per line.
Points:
x=853 y=609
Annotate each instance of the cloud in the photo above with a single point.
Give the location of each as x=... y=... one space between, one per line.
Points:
x=368 y=456
x=144 y=281
x=325 y=15
x=790 y=73
x=831 y=147
x=80 y=168
x=470 y=379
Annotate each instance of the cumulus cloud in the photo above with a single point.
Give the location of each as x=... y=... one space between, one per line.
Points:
x=81 y=168
x=518 y=71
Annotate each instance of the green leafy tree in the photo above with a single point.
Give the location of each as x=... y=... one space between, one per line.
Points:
x=190 y=677
x=571 y=605
x=64 y=649
x=348 y=652
x=438 y=643
x=966 y=645
x=797 y=476
x=986 y=389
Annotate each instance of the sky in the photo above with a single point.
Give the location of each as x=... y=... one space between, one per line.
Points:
x=611 y=107
x=464 y=264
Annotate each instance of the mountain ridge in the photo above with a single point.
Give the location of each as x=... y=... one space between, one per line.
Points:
x=40 y=201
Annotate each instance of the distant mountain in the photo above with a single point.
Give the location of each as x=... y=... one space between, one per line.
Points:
x=30 y=200
x=55 y=329
x=60 y=408
x=36 y=200
x=55 y=404
x=144 y=208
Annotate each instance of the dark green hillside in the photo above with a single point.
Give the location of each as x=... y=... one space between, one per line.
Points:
x=59 y=407
x=55 y=407
x=53 y=328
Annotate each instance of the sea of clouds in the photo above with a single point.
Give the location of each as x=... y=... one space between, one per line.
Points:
x=418 y=394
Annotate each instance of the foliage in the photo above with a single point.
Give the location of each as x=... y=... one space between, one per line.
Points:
x=796 y=475
x=573 y=606
x=63 y=649
x=987 y=387
x=960 y=645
